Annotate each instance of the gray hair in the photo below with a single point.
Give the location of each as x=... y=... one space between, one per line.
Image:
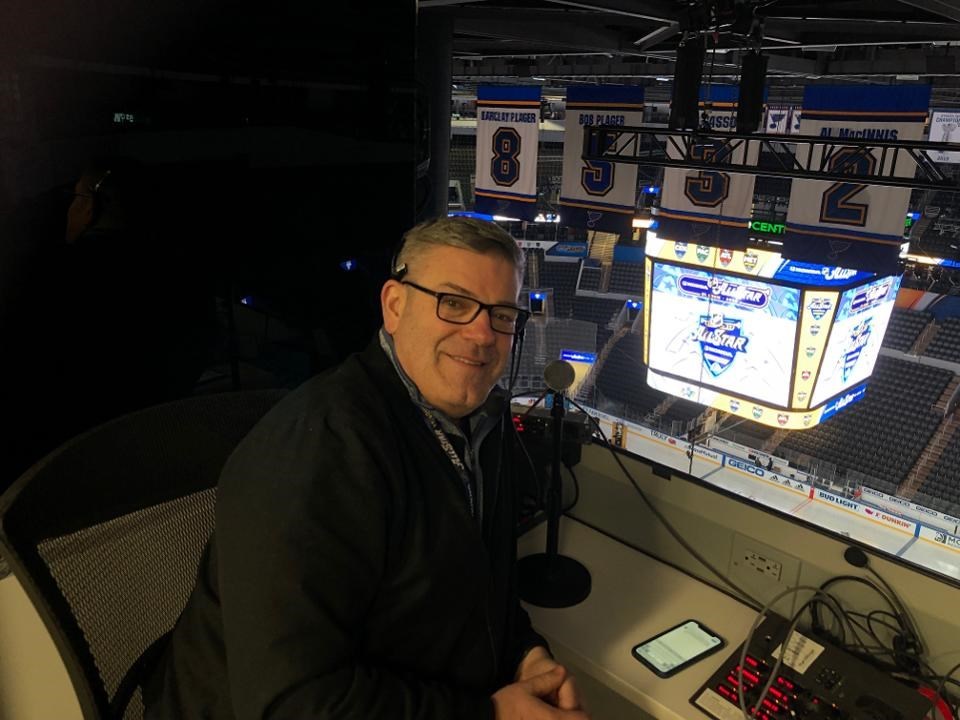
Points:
x=459 y=232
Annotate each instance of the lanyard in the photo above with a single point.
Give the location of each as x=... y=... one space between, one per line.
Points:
x=454 y=458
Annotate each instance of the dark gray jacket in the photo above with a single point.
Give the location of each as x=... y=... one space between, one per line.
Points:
x=346 y=577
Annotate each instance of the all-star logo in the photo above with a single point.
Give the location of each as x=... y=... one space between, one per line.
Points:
x=720 y=341
x=814 y=330
x=806 y=420
x=703 y=252
x=782 y=419
x=810 y=351
x=757 y=412
x=726 y=256
x=727 y=291
x=859 y=337
x=750 y=261
x=869 y=296
x=734 y=405
x=801 y=396
x=819 y=307
x=679 y=249
x=805 y=374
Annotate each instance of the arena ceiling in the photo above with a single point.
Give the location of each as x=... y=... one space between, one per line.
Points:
x=559 y=42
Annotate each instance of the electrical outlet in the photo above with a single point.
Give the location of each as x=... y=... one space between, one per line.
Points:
x=763 y=565
x=761 y=570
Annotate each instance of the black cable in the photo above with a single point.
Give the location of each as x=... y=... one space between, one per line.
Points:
x=657 y=514
x=576 y=490
x=795 y=620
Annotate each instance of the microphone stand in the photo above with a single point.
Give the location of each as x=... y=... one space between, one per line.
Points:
x=549 y=579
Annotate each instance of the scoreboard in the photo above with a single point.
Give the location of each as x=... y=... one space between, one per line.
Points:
x=752 y=333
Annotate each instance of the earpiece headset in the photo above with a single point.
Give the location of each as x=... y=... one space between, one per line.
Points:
x=96 y=197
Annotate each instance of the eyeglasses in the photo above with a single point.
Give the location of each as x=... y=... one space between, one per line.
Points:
x=462 y=310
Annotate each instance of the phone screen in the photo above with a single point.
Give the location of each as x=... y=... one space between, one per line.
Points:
x=671 y=651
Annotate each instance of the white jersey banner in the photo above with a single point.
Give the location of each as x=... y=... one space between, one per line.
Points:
x=508 y=133
x=599 y=195
x=851 y=224
x=707 y=207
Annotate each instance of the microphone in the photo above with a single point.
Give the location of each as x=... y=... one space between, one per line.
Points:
x=559 y=375
x=550 y=579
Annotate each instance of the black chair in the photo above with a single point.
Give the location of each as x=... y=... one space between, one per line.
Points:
x=105 y=535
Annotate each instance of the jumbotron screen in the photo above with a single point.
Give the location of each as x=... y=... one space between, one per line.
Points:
x=751 y=333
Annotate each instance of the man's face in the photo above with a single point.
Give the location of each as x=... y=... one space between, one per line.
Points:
x=454 y=366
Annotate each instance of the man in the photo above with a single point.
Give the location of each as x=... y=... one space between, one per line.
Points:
x=363 y=561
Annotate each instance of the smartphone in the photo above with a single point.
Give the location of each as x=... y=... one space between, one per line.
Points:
x=682 y=645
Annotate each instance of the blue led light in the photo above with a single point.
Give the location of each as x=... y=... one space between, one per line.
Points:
x=348 y=265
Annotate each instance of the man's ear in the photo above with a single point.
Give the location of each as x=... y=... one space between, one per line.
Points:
x=393 y=298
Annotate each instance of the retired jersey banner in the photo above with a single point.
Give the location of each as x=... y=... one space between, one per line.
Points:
x=778 y=119
x=850 y=224
x=599 y=195
x=508 y=133
x=705 y=207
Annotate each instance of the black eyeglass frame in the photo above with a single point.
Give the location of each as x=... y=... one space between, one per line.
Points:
x=522 y=314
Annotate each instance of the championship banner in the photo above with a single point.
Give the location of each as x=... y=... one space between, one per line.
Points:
x=850 y=224
x=705 y=207
x=945 y=127
x=599 y=195
x=508 y=130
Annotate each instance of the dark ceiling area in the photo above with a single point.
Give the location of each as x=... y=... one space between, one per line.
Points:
x=561 y=42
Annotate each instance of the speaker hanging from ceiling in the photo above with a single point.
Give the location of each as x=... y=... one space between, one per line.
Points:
x=686 y=84
x=753 y=75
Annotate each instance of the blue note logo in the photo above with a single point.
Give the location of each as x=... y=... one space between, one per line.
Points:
x=679 y=249
x=750 y=261
x=734 y=405
x=819 y=307
x=775 y=120
x=757 y=412
x=593 y=217
x=859 y=337
x=721 y=340
x=703 y=252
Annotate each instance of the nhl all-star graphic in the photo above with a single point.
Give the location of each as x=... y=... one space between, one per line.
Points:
x=721 y=340
x=725 y=290
x=703 y=252
x=819 y=307
x=859 y=337
x=679 y=249
x=750 y=261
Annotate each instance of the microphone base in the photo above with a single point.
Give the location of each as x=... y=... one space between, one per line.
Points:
x=552 y=581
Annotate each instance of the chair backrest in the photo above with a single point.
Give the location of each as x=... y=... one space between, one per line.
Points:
x=105 y=534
